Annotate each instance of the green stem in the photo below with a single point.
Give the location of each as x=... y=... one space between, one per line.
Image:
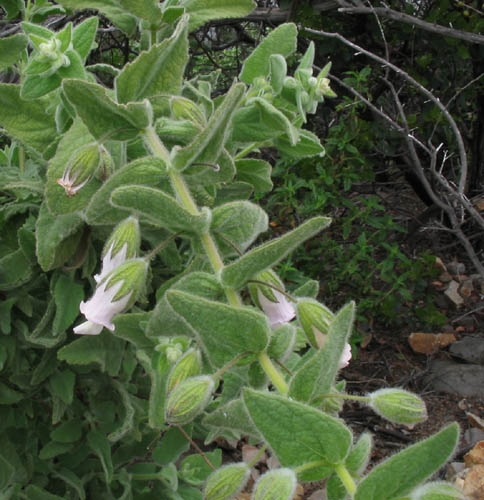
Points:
x=337 y=395
x=310 y=465
x=256 y=459
x=21 y=158
x=273 y=373
x=185 y=198
x=346 y=479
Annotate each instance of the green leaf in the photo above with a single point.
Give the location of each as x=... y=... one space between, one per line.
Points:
x=308 y=289
x=99 y=443
x=11 y=48
x=160 y=209
x=237 y=224
x=33 y=492
x=401 y=473
x=203 y=175
x=318 y=374
x=110 y=8
x=105 y=350
x=129 y=327
x=12 y=8
x=162 y=69
x=202 y=11
x=321 y=438
x=72 y=480
x=233 y=417
x=148 y=10
x=15 y=270
x=194 y=468
x=206 y=146
x=255 y=172
x=170 y=447
x=235 y=275
x=9 y=396
x=224 y=331
x=103 y=117
x=84 y=35
x=67 y=432
x=62 y=385
x=144 y=171
x=28 y=122
x=67 y=295
x=282 y=40
x=57 y=237
x=307 y=145
x=53 y=449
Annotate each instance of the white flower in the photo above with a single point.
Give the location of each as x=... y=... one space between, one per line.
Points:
x=279 y=312
x=100 y=309
x=111 y=262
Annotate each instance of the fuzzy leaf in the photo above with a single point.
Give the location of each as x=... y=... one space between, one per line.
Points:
x=202 y=11
x=402 y=472
x=148 y=10
x=67 y=295
x=110 y=8
x=255 y=172
x=160 y=209
x=224 y=331
x=317 y=375
x=282 y=40
x=307 y=145
x=162 y=68
x=105 y=350
x=237 y=224
x=62 y=385
x=15 y=270
x=84 y=35
x=320 y=437
x=235 y=275
x=206 y=146
x=57 y=237
x=99 y=443
x=144 y=171
x=11 y=49
x=28 y=122
x=102 y=116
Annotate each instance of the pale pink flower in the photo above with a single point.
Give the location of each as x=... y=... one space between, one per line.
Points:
x=111 y=262
x=100 y=309
x=279 y=312
x=321 y=339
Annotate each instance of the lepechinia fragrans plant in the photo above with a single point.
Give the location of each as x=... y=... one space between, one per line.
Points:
x=164 y=320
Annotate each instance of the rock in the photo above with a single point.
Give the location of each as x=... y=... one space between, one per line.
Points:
x=472 y=436
x=471 y=349
x=474 y=483
x=456 y=268
x=475 y=420
x=453 y=293
x=428 y=343
x=466 y=288
x=476 y=455
x=456 y=378
x=318 y=495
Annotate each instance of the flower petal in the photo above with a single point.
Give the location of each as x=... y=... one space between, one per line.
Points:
x=279 y=312
x=88 y=328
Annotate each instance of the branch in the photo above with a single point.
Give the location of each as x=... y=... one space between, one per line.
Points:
x=415 y=21
x=420 y=88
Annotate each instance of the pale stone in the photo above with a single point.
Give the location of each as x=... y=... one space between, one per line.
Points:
x=428 y=343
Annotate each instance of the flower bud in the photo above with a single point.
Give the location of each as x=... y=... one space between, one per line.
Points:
x=277 y=484
x=323 y=89
x=123 y=244
x=188 y=399
x=398 y=406
x=315 y=319
x=225 y=483
x=437 y=491
x=114 y=294
x=184 y=109
x=189 y=365
x=274 y=303
x=80 y=169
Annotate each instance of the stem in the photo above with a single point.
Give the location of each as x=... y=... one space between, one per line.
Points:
x=254 y=461
x=21 y=158
x=273 y=373
x=346 y=479
x=185 y=198
x=336 y=395
x=199 y=450
x=229 y=365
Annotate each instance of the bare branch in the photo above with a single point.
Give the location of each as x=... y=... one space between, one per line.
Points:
x=415 y=21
